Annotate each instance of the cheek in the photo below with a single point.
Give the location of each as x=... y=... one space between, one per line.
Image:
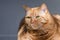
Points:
x=27 y=21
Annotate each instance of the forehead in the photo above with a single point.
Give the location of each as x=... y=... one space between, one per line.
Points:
x=33 y=11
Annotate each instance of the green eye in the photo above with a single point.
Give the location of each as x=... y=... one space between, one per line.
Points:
x=28 y=17
x=37 y=16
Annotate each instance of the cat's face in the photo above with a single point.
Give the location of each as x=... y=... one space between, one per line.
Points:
x=37 y=17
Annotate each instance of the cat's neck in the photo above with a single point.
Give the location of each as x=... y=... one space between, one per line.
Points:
x=36 y=34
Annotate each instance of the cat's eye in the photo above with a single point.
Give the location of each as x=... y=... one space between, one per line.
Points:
x=37 y=16
x=28 y=17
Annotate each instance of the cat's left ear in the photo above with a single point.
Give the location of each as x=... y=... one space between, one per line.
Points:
x=26 y=7
x=44 y=8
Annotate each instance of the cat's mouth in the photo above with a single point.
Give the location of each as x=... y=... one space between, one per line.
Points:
x=34 y=26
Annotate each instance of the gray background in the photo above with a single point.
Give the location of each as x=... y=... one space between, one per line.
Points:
x=11 y=12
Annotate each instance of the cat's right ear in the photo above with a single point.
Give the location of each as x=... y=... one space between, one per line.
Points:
x=26 y=7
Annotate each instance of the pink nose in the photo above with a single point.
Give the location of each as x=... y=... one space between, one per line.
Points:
x=33 y=21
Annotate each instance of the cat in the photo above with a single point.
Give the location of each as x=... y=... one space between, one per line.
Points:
x=39 y=24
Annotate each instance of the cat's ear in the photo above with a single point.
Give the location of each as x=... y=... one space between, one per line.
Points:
x=26 y=7
x=44 y=8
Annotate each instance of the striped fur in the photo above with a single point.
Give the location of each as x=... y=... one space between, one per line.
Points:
x=45 y=26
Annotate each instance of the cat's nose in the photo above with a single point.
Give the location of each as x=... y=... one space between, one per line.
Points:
x=33 y=20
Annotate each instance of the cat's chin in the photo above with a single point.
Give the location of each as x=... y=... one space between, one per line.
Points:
x=35 y=27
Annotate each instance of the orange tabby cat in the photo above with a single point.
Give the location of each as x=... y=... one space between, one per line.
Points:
x=39 y=24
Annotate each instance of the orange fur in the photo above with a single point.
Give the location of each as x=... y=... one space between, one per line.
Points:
x=39 y=24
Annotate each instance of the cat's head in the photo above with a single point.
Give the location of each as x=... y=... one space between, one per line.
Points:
x=37 y=17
